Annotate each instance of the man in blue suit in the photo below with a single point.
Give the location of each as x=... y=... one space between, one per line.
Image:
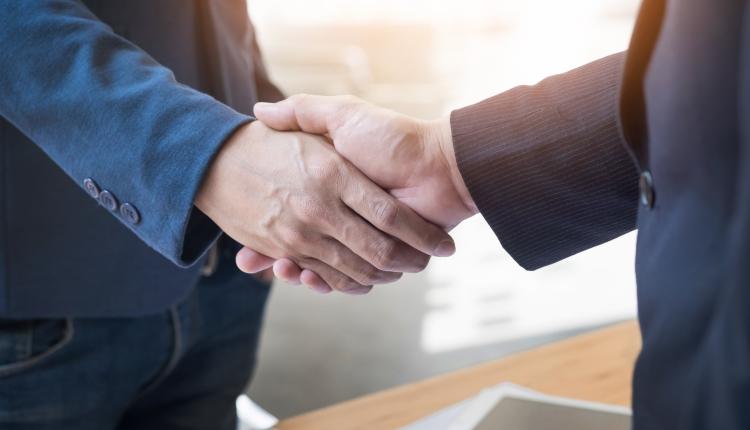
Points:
x=657 y=138
x=126 y=150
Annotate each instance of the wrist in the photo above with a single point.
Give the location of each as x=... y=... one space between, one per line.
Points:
x=225 y=157
x=440 y=136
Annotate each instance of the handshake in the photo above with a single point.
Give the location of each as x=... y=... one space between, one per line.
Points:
x=337 y=194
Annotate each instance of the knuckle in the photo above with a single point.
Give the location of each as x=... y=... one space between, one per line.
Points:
x=293 y=238
x=336 y=260
x=310 y=210
x=385 y=254
x=315 y=213
x=371 y=275
x=385 y=212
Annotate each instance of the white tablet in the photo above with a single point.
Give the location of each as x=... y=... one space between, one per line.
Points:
x=511 y=407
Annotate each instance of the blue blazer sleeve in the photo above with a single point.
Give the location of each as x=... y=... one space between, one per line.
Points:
x=102 y=108
x=546 y=165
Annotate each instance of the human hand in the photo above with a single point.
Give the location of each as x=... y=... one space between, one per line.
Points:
x=292 y=197
x=411 y=158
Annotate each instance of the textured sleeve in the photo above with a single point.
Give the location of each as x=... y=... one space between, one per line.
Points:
x=102 y=108
x=546 y=164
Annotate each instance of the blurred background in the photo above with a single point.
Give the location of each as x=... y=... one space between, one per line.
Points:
x=425 y=58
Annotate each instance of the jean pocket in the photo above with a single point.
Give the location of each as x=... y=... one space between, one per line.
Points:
x=26 y=343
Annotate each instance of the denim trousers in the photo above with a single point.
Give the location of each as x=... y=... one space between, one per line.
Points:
x=181 y=369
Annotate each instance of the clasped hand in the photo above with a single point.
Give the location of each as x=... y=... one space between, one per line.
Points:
x=337 y=194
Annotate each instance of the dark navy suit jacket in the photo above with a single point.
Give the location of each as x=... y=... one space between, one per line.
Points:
x=657 y=139
x=136 y=96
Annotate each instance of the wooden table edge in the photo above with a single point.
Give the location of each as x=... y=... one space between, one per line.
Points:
x=596 y=366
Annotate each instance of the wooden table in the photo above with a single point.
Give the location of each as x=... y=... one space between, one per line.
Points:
x=597 y=366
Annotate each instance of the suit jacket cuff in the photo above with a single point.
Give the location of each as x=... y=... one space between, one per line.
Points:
x=546 y=166
x=197 y=231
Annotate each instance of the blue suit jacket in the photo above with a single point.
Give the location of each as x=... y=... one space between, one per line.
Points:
x=132 y=98
x=659 y=140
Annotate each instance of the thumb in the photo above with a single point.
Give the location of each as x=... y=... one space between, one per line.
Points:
x=279 y=116
x=250 y=261
x=308 y=113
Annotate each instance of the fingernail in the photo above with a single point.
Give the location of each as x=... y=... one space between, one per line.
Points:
x=446 y=248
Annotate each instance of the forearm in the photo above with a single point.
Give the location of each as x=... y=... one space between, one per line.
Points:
x=101 y=108
x=546 y=166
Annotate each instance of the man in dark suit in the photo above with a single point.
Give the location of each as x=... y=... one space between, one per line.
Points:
x=126 y=149
x=657 y=139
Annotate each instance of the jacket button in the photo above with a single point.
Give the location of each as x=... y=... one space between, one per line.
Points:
x=646 y=185
x=91 y=188
x=130 y=213
x=107 y=200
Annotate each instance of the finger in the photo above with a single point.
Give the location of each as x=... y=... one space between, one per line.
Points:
x=342 y=259
x=371 y=245
x=359 y=291
x=314 y=282
x=311 y=280
x=287 y=270
x=250 y=261
x=395 y=218
x=330 y=276
x=309 y=113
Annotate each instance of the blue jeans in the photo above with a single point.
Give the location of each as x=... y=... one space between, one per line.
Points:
x=181 y=369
